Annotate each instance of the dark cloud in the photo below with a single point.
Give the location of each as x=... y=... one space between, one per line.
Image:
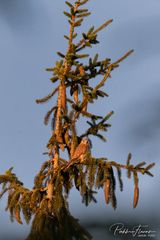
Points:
x=18 y=14
x=146 y=114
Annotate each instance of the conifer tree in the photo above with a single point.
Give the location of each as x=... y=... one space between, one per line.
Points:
x=76 y=88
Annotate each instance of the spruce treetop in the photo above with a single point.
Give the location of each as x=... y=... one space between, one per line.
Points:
x=75 y=87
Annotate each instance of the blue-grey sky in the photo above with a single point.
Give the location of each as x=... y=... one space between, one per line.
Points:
x=31 y=34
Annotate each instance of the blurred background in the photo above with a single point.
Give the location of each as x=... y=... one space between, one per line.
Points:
x=31 y=32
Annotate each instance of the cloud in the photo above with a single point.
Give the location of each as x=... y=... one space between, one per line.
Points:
x=145 y=129
x=17 y=14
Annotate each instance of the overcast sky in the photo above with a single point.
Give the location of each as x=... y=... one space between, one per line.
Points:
x=31 y=34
